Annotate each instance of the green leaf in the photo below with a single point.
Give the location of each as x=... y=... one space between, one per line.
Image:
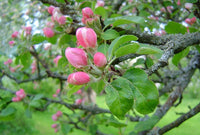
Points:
x=62 y=63
x=28 y=113
x=103 y=49
x=177 y=57
x=25 y=59
x=147 y=49
x=7 y=111
x=64 y=40
x=73 y=89
x=175 y=28
x=101 y=11
x=65 y=128
x=60 y=1
x=85 y=4
x=149 y=62
x=38 y=97
x=53 y=39
x=127 y=49
x=119 y=41
x=38 y=38
x=98 y=86
x=110 y=34
x=144 y=91
x=191 y=1
x=146 y=125
x=125 y=20
x=35 y=103
x=115 y=123
x=119 y=97
x=93 y=129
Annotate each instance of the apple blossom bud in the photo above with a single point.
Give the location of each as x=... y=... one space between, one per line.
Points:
x=188 y=30
x=62 y=20
x=100 y=3
x=193 y=20
x=56 y=130
x=78 y=78
x=55 y=60
x=9 y=61
x=54 y=125
x=188 y=5
x=50 y=9
x=100 y=59
x=11 y=43
x=21 y=94
x=12 y=69
x=59 y=113
x=54 y=95
x=16 y=99
x=188 y=20
x=54 y=117
x=15 y=34
x=178 y=3
x=50 y=24
x=87 y=12
x=57 y=91
x=28 y=30
x=76 y=56
x=86 y=37
x=79 y=92
x=78 y=101
x=48 y=32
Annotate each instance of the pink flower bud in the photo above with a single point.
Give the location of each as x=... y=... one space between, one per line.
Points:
x=54 y=117
x=54 y=125
x=50 y=9
x=28 y=30
x=78 y=101
x=16 y=99
x=188 y=21
x=21 y=94
x=79 y=92
x=188 y=30
x=76 y=56
x=54 y=95
x=100 y=3
x=188 y=5
x=87 y=12
x=59 y=113
x=9 y=61
x=11 y=43
x=12 y=69
x=178 y=3
x=162 y=9
x=15 y=34
x=193 y=20
x=48 y=32
x=50 y=24
x=78 y=78
x=57 y=91
x=56 y=130
x=83 y=20
x=62 y=20
x=55 y=60
x=100 y=59
x=86 y=37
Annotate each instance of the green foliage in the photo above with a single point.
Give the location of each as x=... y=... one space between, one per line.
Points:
x=110 y=34
x=177 y=57
x=174 y=27
x=127 y=49
x=38 y=38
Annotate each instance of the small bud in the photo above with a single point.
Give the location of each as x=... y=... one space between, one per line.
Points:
x=11 y=43
x=193 y=20
x=9 y=61
x=48 y=32
x=50 y=9
x=86 y=37
x=55 y=60
x=54 y=95
x=78 y=78
x=178 y=3
x=62 y=20
x=15 y=34
x=59 y=113
x=16 y=99
x=28 y=30
x=100 y=59
x=76 y=56
x=79 y=92
x=54 y=125
x=100 y=3
x=78 y=101
x=54 y=117
x=57 y=91
x=50 y=24
x=21 y=94
x=87 y=12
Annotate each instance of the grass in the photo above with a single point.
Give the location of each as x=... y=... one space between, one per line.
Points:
x=43 y=121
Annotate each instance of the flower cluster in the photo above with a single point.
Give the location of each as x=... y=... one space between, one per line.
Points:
x=19 y=96
x=57 y=92
x=87 y=38
x=56 y=117
x=56 y=18
x=191 y=21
